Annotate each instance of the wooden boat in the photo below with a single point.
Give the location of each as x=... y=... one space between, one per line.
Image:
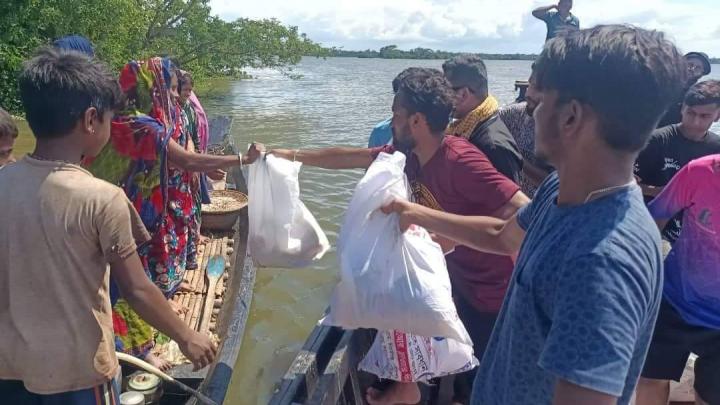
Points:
x=521 y=87
x=325 y=371
x=230 y=301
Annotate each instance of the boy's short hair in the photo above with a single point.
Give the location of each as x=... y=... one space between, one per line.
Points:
x=629 y=76
x=58 y=86
x=7 y=125
x=703 y=93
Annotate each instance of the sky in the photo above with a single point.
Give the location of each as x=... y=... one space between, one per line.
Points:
x=486 y=26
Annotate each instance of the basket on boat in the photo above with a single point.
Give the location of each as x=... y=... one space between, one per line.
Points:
x=224 y=209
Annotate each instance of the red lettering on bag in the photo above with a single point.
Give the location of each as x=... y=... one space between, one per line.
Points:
x=402 y=355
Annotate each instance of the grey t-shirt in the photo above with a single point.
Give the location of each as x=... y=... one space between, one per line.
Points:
x=582 y=302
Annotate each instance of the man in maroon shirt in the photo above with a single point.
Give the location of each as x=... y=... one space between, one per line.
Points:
x=449 y=174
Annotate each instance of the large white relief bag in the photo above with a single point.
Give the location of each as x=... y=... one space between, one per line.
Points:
x=283 y=233
x=390 y=280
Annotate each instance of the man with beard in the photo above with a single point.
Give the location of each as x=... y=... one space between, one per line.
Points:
x=381 y=134
x=698 y=65
x=476 y=115
x=446 y=173
x=577 y=320
x=518 y=118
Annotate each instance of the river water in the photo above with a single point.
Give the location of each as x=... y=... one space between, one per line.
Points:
x=335 y=102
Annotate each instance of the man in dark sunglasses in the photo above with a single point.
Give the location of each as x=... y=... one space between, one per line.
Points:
x=476 y=115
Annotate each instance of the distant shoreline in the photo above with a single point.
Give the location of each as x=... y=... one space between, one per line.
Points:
x=392 y=52
x=502 y=57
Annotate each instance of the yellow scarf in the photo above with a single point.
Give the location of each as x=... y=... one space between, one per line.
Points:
x=464 y=127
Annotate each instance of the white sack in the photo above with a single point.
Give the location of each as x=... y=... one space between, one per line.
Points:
x=283 y=233
x=390 y=280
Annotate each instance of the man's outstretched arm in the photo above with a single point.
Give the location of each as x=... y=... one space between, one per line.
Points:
x=329 y=158
x=487 y=234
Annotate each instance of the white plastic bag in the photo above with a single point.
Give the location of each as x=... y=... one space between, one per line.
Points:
x=283 y=233
x=390 y=280
x=404 y=357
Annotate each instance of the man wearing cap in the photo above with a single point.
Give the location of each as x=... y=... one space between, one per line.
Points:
x=476 y=115
x=698 y=65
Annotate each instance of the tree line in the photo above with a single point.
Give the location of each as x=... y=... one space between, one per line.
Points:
x=122 y=30
x=392 y=52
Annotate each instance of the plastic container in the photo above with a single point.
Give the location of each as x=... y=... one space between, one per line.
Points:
x=149 y=385
x=132 y=398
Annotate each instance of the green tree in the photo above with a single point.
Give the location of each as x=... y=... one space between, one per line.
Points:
x=122 y=30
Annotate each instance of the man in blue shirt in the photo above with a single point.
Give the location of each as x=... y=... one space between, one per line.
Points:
x=558 y=18
x=577 y=319
x=381 y=134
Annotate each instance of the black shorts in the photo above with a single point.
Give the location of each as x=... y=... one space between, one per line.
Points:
x=673 y=341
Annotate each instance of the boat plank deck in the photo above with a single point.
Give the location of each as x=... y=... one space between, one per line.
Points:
x=194 y=299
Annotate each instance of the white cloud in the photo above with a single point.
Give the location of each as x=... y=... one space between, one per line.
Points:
x=473 y=25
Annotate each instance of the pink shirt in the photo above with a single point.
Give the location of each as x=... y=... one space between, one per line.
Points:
x=692 y=269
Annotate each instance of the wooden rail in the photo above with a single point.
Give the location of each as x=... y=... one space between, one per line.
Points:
x=325 y=371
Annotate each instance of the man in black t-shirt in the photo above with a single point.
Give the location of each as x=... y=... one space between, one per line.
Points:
x=475 y=116
x=672 y=147
x=698 y=65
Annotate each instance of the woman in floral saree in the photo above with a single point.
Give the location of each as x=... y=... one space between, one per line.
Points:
x=146 y=156
x=196 y=125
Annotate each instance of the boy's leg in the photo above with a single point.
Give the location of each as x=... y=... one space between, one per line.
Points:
x=667 y=356
x=707 y=368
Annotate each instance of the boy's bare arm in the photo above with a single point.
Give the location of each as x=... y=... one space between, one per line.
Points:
x=149 y=302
